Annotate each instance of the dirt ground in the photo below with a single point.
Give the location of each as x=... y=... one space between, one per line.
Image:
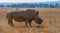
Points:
x=50 y=16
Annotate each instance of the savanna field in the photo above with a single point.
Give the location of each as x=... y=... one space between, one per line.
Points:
x=50 y=16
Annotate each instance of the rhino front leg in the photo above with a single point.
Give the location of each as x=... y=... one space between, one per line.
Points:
x=30 y=22
x=26 y=23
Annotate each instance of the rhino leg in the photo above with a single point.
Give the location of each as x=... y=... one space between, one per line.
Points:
x=30 y=22
x=10 y=22
x=26 y=23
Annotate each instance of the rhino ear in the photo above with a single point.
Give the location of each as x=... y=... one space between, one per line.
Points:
x=37 y=12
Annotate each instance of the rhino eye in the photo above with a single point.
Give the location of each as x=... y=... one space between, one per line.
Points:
x=37 y=12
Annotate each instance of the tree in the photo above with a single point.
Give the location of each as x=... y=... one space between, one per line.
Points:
x=1 y=5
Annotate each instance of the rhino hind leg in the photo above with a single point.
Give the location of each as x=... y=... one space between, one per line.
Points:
x=10 y=22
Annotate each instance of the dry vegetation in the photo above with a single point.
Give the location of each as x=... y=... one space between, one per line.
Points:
x=51 y=17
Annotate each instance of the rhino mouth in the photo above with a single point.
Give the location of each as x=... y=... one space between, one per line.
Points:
x=39 y=21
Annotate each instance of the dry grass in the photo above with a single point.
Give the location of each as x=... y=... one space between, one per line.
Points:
x=51 y=17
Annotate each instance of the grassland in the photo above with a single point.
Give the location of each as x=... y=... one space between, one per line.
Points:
x=51 y=23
